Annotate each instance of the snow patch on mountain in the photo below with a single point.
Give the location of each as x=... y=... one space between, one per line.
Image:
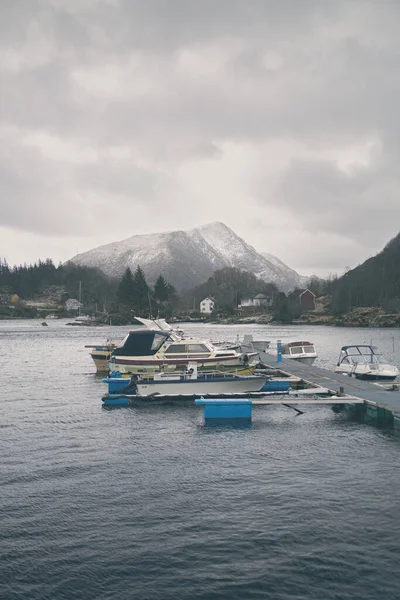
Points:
x=188 y=258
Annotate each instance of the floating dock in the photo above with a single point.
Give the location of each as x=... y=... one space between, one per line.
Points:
x=308 y=385
x=381 y=403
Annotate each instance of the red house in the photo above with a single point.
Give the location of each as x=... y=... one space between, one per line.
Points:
x=307 y=299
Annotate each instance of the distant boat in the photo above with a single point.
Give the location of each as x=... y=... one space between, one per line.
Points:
x=365 y=362
x=302 y=351
x=82 y=319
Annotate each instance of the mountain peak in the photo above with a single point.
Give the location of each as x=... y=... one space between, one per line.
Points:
x=188 y=258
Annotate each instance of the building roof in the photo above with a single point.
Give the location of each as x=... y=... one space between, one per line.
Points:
x=301 y=292
x=261 y=296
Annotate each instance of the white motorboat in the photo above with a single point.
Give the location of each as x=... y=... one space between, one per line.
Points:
x=365 y=362
x=158 y=347
x=193 y=383
x=101 y=353
x=247 y=345
x=301 y=351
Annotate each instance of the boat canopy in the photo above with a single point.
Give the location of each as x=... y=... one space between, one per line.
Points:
x=141 y=342
x=361 y=354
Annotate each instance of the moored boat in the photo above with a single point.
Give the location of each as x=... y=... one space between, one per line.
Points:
x=194 y=383
x=101 y=355
x=147 y=350
x=302 y=351
x=365 y=362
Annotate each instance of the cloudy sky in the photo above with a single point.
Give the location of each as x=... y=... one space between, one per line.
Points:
x=280 y=118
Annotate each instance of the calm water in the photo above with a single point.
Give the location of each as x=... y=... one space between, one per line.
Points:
x=148 y=503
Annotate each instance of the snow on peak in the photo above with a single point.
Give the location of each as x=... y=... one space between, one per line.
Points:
x=188 y=258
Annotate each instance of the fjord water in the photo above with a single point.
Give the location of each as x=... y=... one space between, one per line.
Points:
x=149 y=503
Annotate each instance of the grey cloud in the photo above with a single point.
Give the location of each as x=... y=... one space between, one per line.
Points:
x=321 y=74
x=356 y=206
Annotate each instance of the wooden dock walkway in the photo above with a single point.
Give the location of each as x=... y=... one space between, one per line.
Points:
x=323 y=378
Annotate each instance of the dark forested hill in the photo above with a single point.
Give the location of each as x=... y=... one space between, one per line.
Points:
x=32 y=281
x=374 y=283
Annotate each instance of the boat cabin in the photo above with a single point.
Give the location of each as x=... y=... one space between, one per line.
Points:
x=148 y=342
x=296 y=348
x=141 y=342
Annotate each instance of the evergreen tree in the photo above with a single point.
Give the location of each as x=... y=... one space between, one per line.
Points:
x=141 y=291
x=161 y=291
x=282 y=308
x=126 y=291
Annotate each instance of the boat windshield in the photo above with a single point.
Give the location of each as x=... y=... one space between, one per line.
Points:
x=362 y=354
x=304 y=349
x=296 y=350
x=141 y=343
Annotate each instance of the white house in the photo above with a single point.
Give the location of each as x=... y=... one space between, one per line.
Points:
x=73 y=304
x=207 y=306
x=257 y=301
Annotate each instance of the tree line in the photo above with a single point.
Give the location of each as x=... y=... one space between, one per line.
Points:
x=134 y=295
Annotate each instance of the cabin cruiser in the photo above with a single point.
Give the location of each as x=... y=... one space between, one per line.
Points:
x=147 y=350
x=301 y=351
x=365 y=362
x=159 y=347
x=101 y=353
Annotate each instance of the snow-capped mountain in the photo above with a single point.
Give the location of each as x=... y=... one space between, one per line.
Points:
x=188 y=258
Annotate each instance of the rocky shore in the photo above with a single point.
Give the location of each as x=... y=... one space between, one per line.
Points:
x=358 y=317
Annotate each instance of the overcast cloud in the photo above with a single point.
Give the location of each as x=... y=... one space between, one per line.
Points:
x=279 y=118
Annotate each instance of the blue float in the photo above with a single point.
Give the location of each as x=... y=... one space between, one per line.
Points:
x=225 y=409
x=115 y=400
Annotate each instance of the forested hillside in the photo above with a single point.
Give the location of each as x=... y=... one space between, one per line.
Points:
x=374 y=283
x=41 y=279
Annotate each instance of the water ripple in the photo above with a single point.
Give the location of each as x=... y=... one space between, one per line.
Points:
x=149 y=503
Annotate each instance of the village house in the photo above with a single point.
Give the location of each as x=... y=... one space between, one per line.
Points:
x=207 y=306
x=257 y=302
x=307 y=299
x=73 y=304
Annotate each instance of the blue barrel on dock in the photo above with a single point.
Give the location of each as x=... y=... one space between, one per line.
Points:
x=115 y=384
x=219 y=409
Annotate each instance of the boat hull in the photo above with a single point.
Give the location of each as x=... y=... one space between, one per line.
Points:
x=148 y=367
x=197 y=387
x=371 y=377
x=306 y=360
x=101 y=360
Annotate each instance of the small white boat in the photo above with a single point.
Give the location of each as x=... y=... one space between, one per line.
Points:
x=365 y=362
x=82 y=319
x=301 y=351
x=246 y=346
x=191 y=382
